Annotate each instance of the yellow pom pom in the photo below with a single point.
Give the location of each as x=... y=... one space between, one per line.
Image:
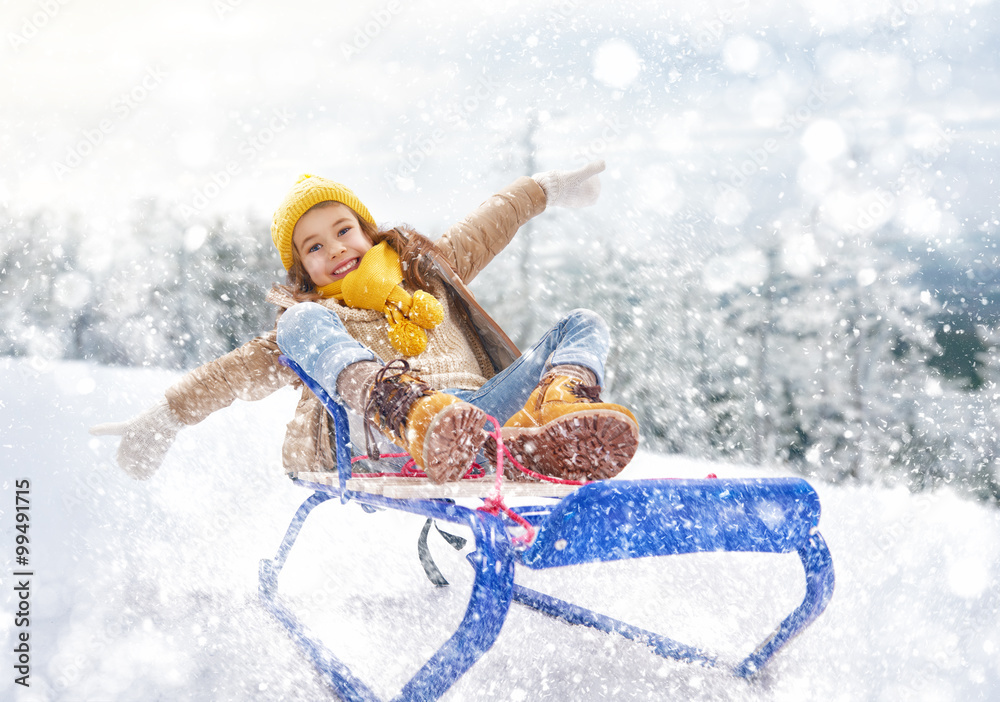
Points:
x=407 y=338
x=425 y=311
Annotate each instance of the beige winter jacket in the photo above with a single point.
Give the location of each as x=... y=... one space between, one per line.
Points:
x=252 y=372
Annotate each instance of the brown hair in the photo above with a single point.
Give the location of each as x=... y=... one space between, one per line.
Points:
x=411 y=246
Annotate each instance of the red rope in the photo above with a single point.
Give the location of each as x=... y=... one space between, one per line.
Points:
x=494 y=503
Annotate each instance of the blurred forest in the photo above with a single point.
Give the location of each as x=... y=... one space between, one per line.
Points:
x=847 y=369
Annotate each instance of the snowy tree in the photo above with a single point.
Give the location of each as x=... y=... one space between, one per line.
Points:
x=871 y=324
x=18 y=270
x=43 y=293
x=230 y=268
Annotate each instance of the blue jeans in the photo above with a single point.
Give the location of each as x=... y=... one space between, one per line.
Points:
x=315 y=338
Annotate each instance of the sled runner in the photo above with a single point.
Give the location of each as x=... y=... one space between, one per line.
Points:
x=601 y=521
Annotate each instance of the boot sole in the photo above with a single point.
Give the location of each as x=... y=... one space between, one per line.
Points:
x=452 y=442
x=587 y=445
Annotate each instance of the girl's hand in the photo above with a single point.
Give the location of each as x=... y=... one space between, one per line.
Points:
x=578 y=188
x=145 y=439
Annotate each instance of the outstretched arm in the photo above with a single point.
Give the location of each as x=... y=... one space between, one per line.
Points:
x=251 y=372
x=472 y=243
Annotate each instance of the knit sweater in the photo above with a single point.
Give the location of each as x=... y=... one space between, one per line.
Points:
x=454 y=357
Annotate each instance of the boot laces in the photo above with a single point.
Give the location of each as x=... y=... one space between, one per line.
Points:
x=590 y=393
x=389 y=401
x=586 y=393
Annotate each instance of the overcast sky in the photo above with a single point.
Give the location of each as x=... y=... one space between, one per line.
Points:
x=422 y=107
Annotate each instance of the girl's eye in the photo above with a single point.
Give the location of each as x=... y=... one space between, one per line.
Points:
x=343 y=231
x=314 y=247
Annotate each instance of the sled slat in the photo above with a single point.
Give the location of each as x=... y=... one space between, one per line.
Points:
x=425 y=488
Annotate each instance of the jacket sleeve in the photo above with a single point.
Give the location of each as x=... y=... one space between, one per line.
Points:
x=251 y=372
x=472 y=243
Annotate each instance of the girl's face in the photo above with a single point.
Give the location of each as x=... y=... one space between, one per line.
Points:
x=329 y=242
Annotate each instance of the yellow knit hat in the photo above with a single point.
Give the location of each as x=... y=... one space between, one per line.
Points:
x=308 y=191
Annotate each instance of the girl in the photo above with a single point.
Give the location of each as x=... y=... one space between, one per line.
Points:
x=384 y=322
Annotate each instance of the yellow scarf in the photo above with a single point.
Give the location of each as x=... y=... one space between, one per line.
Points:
x=374 y=285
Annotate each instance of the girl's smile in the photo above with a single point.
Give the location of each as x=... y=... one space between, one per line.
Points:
x=346 y=268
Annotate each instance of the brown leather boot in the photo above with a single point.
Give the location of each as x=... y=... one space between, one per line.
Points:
x=441 y=432
x=565 y=431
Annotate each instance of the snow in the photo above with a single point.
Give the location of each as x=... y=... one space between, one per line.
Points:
x=148 y=590
x=741 y=54
x=616 y=64
x=824 y=140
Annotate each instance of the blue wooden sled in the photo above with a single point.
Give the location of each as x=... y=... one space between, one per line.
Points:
x=601 y=521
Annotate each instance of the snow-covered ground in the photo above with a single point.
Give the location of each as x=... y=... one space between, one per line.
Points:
x=148 y=590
